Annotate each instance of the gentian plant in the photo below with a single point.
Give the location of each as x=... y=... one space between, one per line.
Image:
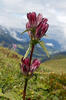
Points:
x=36 y=27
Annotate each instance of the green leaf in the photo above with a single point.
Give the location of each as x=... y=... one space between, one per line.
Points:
x=30 y=29
x=27 y=52
x=0 y=90
x=24 y=31
x=1 y=94
x=5 y=96
x=42 y=44
x=10 y=96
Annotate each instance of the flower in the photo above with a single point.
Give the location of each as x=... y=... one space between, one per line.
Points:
x=42 y=28
x=37 y=25
x=39 y=18
x=14 y=46
x=25 y=68
x=35 y=65
x=32 y=19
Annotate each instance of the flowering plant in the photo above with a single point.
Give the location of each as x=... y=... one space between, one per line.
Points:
x=36 y=27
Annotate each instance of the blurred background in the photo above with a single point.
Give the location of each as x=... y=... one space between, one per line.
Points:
x=13 y=21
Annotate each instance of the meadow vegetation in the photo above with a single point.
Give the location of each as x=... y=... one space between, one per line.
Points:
x=48 y=82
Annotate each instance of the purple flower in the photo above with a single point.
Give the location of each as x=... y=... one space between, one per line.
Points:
x=14 y=46
x=39 y=18
x=35 y=65
x=42 y=28
x=28 y=27
x=36 y=24
x=25 y=68
x=32 y=18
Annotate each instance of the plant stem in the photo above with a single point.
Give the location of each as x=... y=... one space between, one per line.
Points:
x=26 y=80
x=31 y=54
x=25 y=86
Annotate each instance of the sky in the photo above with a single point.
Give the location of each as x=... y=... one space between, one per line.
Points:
x=13 y=14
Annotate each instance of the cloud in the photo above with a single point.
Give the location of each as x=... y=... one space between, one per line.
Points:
x=13 y=14
x=13 y=34
x=49 y=44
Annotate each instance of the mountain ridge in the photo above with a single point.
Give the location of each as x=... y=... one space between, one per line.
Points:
x=22 y=41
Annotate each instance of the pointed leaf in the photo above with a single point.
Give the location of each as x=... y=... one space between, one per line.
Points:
x=42 y=44
x=24 y=31
x=27 y=52
x=30 y=29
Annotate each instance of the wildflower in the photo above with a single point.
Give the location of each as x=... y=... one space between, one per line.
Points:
x=25 y=68
x=42 y=28
x=14 y=46
x=32 y=19
x=37 y=25
x=35 y=65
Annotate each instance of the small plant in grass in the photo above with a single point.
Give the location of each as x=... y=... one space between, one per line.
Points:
x=36 y=27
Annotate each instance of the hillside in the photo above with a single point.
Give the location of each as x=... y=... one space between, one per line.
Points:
x=52 y=85
x=57 y=65
x=10 y=36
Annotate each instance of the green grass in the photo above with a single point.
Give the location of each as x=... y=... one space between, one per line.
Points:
x=44 y=85
x=56 y=65
x=20 y=46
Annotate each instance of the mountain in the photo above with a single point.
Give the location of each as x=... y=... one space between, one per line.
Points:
x=10 y=36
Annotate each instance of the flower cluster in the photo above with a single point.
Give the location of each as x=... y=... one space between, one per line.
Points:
x=26 y=68
x=37 y=25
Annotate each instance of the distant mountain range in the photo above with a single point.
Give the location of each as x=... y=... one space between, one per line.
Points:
x=10 y=36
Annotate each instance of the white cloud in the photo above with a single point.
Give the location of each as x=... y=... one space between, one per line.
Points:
x=62 y=18
x=13 y=13
x=49 y=44
x=14 y=35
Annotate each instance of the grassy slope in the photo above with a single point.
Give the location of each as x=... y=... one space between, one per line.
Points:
x=56 y=65
x=43 y=86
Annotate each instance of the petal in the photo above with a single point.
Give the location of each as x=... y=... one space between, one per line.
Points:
x=44 y=20
x=42 y=28
x=28 y=25
x=35 y=65
x=39 y=18
x=25 y=61
x=25 y=65
x=29 y=15
x=24 y=69
x=36 y=62
x=32 y=18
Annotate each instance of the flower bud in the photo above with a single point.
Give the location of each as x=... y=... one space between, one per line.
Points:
x=25 y=66
x=37 y=25
x=35 y=65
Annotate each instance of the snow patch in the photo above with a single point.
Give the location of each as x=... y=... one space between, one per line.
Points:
x=49 y=44
x=14 y=35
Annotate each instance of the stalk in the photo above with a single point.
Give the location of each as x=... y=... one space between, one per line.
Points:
x=26 y=80
x=31 y=54
x=25 y=86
